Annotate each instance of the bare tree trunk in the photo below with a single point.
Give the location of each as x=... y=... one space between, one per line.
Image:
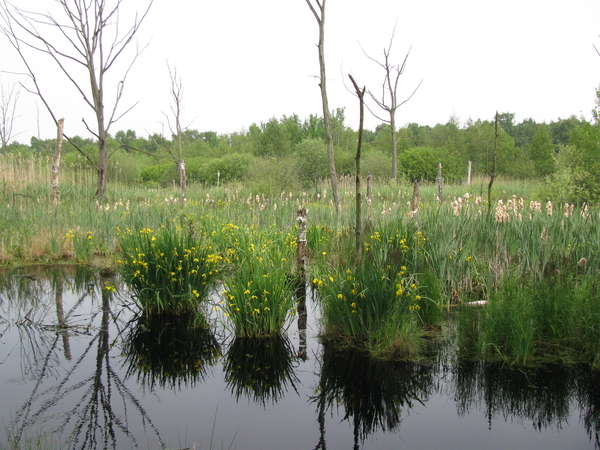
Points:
x=394 y=146
x=390 y=89
x=301 y=262
x=56 y=161
x=440 y=183
x=493 y=171
x=358 y=226
x=9 y=99
x=60 y=315
x=88 y=34
x=177 y=96
x=183 y=181
x=414 y=204
x=320 y=16
x=469 y=169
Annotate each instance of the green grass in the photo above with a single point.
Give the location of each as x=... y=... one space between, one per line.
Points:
x=514 y=254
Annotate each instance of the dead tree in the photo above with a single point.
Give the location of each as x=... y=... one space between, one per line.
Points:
x=320 y=16
x=492 y=171
x=387 y=100
x=177 y=131
x=56 y=161
x=9 y=98
x=83 y=39
x=360 y=93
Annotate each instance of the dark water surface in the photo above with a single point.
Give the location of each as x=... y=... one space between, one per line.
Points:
x=74 y=359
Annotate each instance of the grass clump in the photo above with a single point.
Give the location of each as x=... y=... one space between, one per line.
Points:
x=379 y=302
x=531 y=319
x=169 y=271
x=258 y=293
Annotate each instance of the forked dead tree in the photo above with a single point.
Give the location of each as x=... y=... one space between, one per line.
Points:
x=387 y=99
x=319 y=14
x=177 y=131
x=83 y=39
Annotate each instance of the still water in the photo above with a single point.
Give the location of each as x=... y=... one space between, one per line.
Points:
x=77 y=361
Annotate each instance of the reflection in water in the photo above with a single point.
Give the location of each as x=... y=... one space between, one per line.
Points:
x=260 y=369
x=170 y=351
x=79 y=402
x=541 y=395
x=79 y=362
x=372 y=393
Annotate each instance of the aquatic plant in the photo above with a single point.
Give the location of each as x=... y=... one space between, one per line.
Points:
x=378 y=302
x=169 y=270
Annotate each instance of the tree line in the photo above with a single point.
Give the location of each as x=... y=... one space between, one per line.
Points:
x=294 y=149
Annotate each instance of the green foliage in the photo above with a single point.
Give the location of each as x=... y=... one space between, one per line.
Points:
x=169 y=271
x=421 y=164
x=258 y=288
x=312 y=162
x=527 y=319
x=376 y=163
x=160 y=174
x=541 y=152
x=227 y=169
x=377 y=303
x=580 y=163
x=271 y=176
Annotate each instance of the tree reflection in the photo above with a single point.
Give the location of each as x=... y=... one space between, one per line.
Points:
x=372 y=393
x=88 y=402
x=261 y=369
x=170 y=351
x=542 y=395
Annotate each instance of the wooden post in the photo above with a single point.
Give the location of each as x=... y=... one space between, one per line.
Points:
x=414 y=204
x=469 y=170
x=440 y=183
x=301 y=261
x=56 y=161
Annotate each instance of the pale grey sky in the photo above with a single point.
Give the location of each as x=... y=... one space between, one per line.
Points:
x=246 y=61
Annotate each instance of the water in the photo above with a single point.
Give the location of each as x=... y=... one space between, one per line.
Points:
x=75 y=361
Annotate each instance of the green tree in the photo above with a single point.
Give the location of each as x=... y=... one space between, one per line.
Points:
x=561 y=129
x=581 y=162
x=274 y=140
x=541 y=152
x=312 y=162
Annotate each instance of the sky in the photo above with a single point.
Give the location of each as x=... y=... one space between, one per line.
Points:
x=242 y=62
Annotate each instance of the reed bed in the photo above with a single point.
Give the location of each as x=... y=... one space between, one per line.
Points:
x=531 y=263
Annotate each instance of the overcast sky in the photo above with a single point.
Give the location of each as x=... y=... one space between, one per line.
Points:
x=244 y=62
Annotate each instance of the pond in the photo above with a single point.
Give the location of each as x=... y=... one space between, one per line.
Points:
x=77 y=362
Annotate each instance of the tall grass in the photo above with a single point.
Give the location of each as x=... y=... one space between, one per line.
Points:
x=379 y=302
x=258 y=293
x=514 y=254
x=169 y=270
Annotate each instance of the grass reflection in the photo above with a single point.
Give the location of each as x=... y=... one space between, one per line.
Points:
x=261 y=369
x=372 y=394
x=170 y=351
